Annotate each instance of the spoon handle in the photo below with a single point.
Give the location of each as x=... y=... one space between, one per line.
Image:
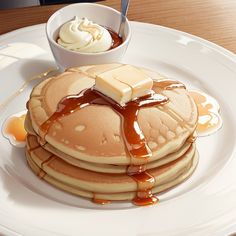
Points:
x=124 y=9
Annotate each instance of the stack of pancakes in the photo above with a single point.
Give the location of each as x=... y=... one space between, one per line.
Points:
x=84 y=152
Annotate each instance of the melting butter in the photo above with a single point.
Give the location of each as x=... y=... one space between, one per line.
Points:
x=124 y=84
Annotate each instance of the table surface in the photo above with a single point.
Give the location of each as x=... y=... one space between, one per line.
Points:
x=214 y=20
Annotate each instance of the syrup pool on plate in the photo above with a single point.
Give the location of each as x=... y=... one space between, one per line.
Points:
x=209 y=120
x=13 y=129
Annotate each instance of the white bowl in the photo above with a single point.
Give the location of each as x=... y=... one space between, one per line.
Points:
x=99 y=14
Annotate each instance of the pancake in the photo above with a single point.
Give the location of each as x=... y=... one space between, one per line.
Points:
x=104 y=168
x=166 y=127
x=106 y=186
x=78 y=138
x=103 y=182
x=109 y=196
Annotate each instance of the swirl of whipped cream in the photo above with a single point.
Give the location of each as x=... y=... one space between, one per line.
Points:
x=82 y=35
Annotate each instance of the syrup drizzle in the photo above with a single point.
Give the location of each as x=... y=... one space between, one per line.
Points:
x=116 y=39
x=145 y=183
x=49 y=159
x=15 y=127
x=209 y=119
x=145 y=198
x=167 y=84
x=134 y=139
x=100 y=201
x=4 y=104
x=135 y=169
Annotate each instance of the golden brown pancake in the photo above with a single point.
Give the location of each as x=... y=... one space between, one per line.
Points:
x=84 y=152
x=93 y=134
x=106 y=186
x=105 y=168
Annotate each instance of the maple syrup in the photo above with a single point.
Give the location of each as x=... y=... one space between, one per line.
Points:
x=116 y=39
x=209 y=119
x=101 y=201
x=136 y=145
x=4 y=104
x=14 y=127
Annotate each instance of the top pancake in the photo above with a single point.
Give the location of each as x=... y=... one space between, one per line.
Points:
x=94 y=133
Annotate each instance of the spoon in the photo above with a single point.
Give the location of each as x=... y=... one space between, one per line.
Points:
x=124 y=10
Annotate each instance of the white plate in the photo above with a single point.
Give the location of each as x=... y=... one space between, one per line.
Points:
x=203 y=205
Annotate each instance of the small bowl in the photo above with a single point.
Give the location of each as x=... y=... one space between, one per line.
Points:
x=99 y=14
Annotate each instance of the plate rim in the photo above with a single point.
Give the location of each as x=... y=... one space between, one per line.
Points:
x=210 y=44
x=223 y=51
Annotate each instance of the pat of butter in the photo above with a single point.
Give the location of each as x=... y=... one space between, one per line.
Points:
x=124 y=84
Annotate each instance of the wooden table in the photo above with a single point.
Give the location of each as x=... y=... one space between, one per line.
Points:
x=214 y=20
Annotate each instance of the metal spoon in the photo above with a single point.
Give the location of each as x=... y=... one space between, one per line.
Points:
x=124 y=10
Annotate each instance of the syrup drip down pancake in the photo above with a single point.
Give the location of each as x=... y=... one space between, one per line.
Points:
x=84 y=142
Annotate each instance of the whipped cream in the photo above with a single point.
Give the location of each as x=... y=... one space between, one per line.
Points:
x=82 y=35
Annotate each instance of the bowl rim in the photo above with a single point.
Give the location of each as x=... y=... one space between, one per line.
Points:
x=51 y=40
